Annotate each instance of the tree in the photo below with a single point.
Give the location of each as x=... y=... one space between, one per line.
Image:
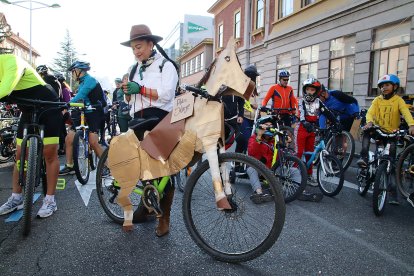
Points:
x=5 y=32
x=66 y=56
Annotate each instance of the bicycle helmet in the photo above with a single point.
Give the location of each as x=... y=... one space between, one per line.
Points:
x=118 y=80
x=312 y=82
x=263 y=120
x=60 y=77
x=251 y=71
x=388 y=79
x=84 y=66
x=42 y=69
x=284 y=74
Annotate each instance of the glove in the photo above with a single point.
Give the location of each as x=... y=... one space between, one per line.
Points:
x=133 y=88
x=308 y=126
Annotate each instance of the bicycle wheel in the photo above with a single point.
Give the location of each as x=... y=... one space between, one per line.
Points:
x=81 y=158
x=7 y=145
x=364 y=181
x=30 y=184
x=405 y=171
x=108 y=190
x=243 y=233
x=380 y=193
x=343 y=148
x=181 y=178
x=330 y=175
x=290 y=171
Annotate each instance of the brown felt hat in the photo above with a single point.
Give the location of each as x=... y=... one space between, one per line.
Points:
x=141 y=32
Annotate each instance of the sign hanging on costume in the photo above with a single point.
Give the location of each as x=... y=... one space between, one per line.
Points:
x=183 y=107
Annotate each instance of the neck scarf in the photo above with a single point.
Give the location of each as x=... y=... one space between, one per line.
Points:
x=146 y=63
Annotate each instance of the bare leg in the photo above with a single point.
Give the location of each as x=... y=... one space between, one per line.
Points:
x=69 y=147
x=94 y=142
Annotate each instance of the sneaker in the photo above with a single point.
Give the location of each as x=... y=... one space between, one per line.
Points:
x=312 y=181
x=11 y=205
x=260 y=198
x=47 y=209
x=314 y=197
x=362 y=162
x=410 y=199
x=67 y=170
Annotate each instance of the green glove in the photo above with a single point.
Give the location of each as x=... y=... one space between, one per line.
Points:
x=133 y=88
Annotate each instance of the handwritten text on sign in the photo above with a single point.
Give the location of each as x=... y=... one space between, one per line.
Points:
x=183 y=107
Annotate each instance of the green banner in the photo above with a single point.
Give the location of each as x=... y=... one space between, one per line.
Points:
x=192 y=28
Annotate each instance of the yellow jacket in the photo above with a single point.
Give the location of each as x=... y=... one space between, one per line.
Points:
x=386 y=113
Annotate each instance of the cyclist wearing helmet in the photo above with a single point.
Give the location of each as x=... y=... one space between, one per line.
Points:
x=119 y=96
x=19 y=79
x=151 y=89
x=91 y=93
x=66 y=91
x=260 y=147
x=283 y=97
x=43 y=71
x=385 y=112
x=310 y=107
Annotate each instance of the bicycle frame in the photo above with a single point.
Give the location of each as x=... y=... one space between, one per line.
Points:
x=158 y=184
x=85 y=130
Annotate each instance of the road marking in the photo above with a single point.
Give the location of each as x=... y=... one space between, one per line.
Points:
x=17 y=215
x=85 y=191
x=61 y=184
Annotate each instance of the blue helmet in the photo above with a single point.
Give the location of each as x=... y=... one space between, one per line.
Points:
x=390 y=78
x=263 y=120
x=284 y=74
x=84 y=66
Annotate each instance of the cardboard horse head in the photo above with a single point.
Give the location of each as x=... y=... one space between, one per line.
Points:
x=202 y=132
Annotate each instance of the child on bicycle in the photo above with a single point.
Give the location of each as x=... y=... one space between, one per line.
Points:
x=260 y=146
x=385 y=112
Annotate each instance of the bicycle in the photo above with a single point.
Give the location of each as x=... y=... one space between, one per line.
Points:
x=245 y=241
x=84 y=156
x=8 y=143
x=329 y=167
x=405 y=168
x=33 y=170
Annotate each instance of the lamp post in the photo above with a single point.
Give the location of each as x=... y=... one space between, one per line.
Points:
x=30 y=8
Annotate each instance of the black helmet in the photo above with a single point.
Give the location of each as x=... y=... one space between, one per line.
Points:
x=42 y=69
x=60 y=77
x=251 y=71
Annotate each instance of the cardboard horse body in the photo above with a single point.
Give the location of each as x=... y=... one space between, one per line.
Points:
x=202 y=132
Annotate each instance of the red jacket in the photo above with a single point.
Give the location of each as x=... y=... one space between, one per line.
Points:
x=260 y=151
x=283 y=97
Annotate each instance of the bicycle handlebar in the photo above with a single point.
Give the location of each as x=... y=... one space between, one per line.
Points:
x=384 y=134
x=277 y=110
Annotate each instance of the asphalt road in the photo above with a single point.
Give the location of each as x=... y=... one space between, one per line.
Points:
x=338 y=236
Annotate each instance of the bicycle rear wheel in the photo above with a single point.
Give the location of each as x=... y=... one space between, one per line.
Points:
x=405 y=171
x=107 y=190
x=243 y=233
x=30 y=184
x=364 y=181
x=380 y=192
x=290 y=171
x=330 y=175
x=343 y=148
x=81 y=157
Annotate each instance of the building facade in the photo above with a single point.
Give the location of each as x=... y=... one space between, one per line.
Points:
x=346 y=44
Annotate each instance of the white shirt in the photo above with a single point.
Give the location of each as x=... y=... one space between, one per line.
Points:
x=164 y=82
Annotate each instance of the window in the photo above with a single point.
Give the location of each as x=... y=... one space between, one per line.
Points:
x=285 y=8
x=183 y=70
x=259 y=14
x=192 y=66
x=187 y=68
x=220 y=36
x=390 y=55
x=308 y=60
x=202 y=61
x=307 y=2
x=341 y=64
x=197 y=63
x=283 y=62
x=237 y=25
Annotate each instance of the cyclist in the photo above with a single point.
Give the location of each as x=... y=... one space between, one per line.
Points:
x=66 y=116
x=260 y=147
x=346 y=106
x=385 y=112
x=43 y=71
x=283 y=97
x=105 y=124
x=119 y=96
x=151 y=90
x=19 y=79
x=91 y=93
x=233 y=115
x=309 y=109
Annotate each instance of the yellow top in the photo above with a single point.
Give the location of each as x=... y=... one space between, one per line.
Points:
x=386 y=113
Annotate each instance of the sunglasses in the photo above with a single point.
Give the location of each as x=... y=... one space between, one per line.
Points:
x=285 y=79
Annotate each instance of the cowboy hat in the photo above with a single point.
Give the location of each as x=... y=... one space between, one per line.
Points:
x=141 y=32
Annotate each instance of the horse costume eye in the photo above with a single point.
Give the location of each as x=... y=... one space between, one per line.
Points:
x=227 y=58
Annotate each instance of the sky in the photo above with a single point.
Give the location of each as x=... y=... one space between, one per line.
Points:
x=97 y=28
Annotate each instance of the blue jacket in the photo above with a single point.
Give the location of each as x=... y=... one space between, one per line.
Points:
x=345 y=105
x=86 y=85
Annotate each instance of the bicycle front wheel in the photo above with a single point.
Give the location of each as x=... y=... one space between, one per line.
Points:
x=291 y=173
x=342 y=146
x=108 y=189
x=243 y=233
x=81 y=157
x=30 y=184
x=405 y=171
x=380 y=193
x=330 y=175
